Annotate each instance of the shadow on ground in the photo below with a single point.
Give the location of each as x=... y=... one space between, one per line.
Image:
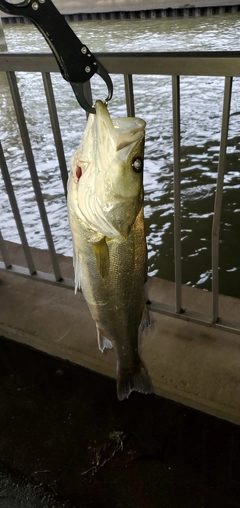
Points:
x=66 y=441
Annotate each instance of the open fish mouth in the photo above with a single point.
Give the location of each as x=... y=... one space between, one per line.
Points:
x=123 y=131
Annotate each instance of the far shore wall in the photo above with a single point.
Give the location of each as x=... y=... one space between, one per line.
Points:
x=84 y=6
x=196 y=7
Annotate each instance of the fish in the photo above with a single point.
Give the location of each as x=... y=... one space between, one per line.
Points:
x=105 y=208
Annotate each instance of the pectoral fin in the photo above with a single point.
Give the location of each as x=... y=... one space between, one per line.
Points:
x=101 y=252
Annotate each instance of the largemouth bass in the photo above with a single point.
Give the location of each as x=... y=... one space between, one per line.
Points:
x=105 y=206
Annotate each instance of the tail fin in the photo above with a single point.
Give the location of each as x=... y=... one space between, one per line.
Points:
x=136 y=380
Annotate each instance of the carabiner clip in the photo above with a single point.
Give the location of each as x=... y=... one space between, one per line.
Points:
x=76 y=62
x=78 y=89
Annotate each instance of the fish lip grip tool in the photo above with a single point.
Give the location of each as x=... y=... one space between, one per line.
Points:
x=76 y=62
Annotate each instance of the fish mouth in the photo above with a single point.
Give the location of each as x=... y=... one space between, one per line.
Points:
x=103 y=115
x=123 y=131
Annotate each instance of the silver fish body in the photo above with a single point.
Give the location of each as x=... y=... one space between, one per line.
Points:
x=105 y=206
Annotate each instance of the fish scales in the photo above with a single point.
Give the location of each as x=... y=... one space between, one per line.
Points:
x=110 y=259
x=116 y=301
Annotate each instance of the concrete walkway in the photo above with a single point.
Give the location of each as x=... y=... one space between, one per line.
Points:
x=67 y=442
x=189 y=363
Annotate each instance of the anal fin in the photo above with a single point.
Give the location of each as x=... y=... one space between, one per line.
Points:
x=145 y=321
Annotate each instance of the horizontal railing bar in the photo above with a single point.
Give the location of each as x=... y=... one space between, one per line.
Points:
x=170 y=310
x=194 y=317
x=158 y=307
x=39 y=276
x=202 y=63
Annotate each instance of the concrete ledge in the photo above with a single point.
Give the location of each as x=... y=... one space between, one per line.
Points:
x=189 y=363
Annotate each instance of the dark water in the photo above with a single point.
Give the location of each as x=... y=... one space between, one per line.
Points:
x=201 y=109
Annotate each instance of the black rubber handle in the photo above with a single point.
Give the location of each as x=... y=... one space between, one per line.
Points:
x=76 y=62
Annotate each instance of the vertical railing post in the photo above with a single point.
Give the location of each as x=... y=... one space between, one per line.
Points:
x=4 y=252
x=218 y=197
x=128 y=82
x=33 y=172
x=16 y=213
x=177 y=191
x=55 y=127
x=3 y=44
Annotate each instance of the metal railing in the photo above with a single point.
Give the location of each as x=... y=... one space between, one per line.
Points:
x=225 y=64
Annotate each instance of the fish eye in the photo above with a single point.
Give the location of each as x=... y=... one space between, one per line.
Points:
x=137 y=164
